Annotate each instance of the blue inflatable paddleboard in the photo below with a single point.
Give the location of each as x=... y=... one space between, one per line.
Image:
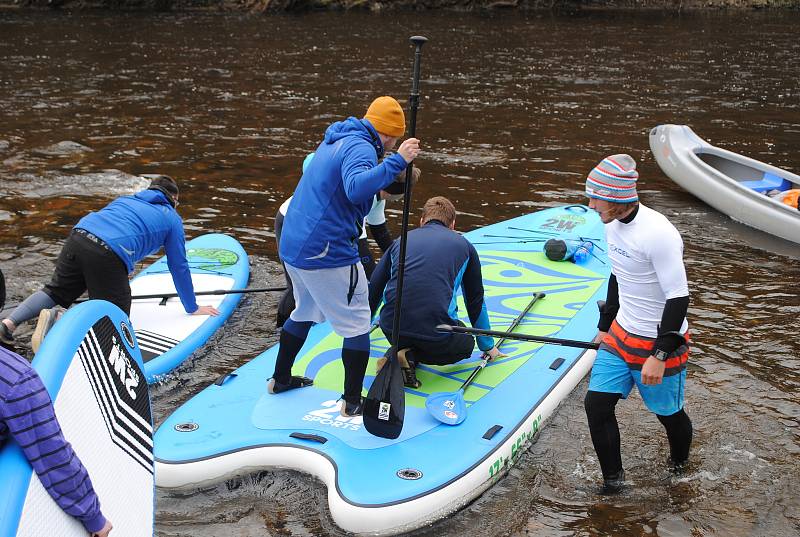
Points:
x=380 y=486
x=166 y=334
x=92 y=369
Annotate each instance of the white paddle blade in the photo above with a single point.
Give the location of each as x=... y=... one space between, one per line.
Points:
x=447 y=407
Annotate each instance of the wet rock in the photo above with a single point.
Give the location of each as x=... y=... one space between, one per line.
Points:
x=216 y=71
x=52 y=184
x=4 y=144
x=14 y=161
x=62 y=149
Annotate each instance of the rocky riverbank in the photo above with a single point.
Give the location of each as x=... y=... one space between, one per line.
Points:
x=266 y=6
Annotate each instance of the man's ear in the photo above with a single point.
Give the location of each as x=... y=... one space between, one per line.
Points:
x=453 y=224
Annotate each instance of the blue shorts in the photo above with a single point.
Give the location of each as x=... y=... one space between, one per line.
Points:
x=611 y=374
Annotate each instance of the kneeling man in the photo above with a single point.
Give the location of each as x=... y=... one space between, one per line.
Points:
x=438 y=263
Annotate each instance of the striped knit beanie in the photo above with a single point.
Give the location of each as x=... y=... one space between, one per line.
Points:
x=614 y=180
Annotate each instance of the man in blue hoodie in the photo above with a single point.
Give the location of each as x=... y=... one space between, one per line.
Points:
x=103 y=248
x=319 y=243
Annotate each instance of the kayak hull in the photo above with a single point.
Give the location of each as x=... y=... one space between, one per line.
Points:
x=720 y=178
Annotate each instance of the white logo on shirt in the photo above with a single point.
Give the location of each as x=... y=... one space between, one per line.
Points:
x=323 y=254
x=617 y=250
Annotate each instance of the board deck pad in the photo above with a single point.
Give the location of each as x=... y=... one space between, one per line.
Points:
x=227 y=423
x=167 y=335
x=92 y=368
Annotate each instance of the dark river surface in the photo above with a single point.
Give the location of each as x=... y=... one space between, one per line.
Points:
x=516 y=109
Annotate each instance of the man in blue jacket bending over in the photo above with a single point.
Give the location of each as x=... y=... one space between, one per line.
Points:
x=102 y=249
x=438 y=263
x=319 y=243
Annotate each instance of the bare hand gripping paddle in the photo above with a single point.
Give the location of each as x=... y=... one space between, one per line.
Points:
x=385 y=405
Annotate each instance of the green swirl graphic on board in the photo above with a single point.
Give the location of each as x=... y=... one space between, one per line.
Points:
x=211 y=258
x=510 y=279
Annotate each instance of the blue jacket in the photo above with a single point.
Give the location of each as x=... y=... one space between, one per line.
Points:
x=139 y=225
x=324 y=220
x=438 y=263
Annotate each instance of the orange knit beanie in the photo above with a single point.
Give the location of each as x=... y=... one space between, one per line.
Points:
x=386 y=115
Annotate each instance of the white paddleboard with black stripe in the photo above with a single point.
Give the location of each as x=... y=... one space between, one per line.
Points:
x=167 y=335
x=92 y=368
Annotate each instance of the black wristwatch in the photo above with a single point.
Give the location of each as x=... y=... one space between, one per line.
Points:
x=661 y=355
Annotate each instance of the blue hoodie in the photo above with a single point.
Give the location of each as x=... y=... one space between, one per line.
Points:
x=324 y=220
x=139 y=225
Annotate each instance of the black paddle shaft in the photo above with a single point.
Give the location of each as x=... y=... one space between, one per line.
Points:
x=217 y=292
x=521 y=337
x=511 y=328
x=413 y=103
x=203 y=293
x=385 y=405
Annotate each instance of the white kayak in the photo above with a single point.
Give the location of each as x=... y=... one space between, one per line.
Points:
x=745 y=189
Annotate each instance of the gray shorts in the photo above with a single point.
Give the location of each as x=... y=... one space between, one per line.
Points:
x=337 y=295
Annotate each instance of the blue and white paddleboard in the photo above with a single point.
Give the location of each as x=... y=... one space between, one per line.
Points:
x=92 y=369
x=379 y=486
x=166 y=334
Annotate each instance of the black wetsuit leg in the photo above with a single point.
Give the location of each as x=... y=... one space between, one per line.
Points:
x=679 y=434
x=450 y=350
x=604 y=430
x=2 y=290
x=286 y=302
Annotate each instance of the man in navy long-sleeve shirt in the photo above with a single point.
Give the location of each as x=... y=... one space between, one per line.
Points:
x=438 y=262
x=27 y=416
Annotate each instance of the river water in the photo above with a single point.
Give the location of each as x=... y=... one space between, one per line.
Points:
x=515 y=110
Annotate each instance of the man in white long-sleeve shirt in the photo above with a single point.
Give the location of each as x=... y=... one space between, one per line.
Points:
x=643 y=332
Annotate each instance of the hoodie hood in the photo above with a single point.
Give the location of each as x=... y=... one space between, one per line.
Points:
x=153 y=196
x=354 y=127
